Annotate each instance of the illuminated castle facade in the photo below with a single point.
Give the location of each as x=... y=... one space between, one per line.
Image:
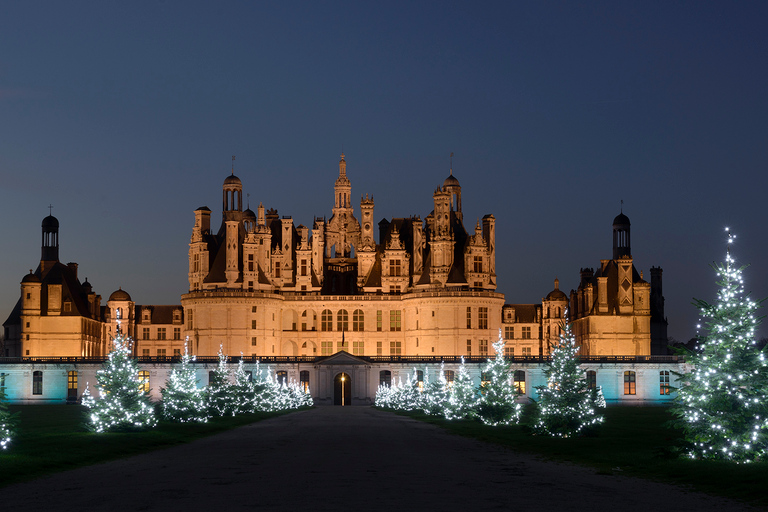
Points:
x=334 y=294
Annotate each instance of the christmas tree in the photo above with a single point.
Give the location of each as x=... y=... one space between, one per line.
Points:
x=435 y=393
x=566 y=406
x=722 y=401
x=243 y=392
x=496 y=405
x=182 y=400
x=122 y=403
x=463 y=396
x=8 y=422
x=219 y=389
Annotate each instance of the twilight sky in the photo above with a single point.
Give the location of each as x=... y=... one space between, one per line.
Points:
x=124 y=116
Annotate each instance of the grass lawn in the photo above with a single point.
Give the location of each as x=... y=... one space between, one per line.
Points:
x=53 y=438
x=634 y=441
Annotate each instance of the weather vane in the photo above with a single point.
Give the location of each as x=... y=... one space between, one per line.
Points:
x=451 y=163
x=50 y=209
x=233 y=165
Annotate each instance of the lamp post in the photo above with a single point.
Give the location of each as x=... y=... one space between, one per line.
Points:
x=342 y=390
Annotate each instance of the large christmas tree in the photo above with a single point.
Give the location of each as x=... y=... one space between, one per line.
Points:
x=462 y=398
x=722 y=402
x=496 y=405
x=122 y=403
x=219 y=389
x=182 y=400
x=566 y=405
x=8 y=422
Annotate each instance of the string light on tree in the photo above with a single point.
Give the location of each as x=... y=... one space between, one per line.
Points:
x=497 y=405
x=182 y=400
x=566 y=406
x=722 y=403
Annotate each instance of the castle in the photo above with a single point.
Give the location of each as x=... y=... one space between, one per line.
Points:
x=264 y=287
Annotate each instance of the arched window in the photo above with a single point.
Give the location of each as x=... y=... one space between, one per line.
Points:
x=385 y=378
x=342 y=323
x=664 y=388
x=144 y=381
x=358 y=320
x=326 y=320
x=629 y=383
x=519 y=381
x=304 y=380
x=591 y=379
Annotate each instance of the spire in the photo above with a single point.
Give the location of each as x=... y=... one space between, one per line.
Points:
x=342 y=166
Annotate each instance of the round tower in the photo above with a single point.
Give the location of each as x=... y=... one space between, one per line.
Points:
x=233 y=198
x=621 y=243
x=50 y=246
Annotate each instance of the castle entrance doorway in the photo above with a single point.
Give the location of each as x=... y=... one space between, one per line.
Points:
x=342 y=389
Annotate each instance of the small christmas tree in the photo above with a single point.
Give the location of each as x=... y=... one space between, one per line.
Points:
x=219 y=389
x=722 y=402
x=182 y=400
x=496 y=405
x=463 y=396
x=243 y=392
x=122 y=403
x=435 y=393
x=8 y=422
x=566 y=406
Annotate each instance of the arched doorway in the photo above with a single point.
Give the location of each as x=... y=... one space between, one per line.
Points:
x=342 y=389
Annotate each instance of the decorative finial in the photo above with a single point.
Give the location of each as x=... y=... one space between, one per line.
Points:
x=248 y=201
x=50 y=209
x=233 y=166
x=451 y=163
x=621 y=210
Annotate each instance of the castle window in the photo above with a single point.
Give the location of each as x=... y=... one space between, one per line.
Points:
x=326 y=320
x=358 y=320
x=485 y=379
x=253 y=341
x=394 y=268
x=304 y=380
x=342 y=320
x=145 y=352
x=72 y=385
x=385 y=378
x=509 y=351
x=395 y=348
x=326 y=348
x=177 y=352
x=303 y=267
x=478 y=263
x=509 y=333
x=449 y=377
x=395 y=320
x=343 y=345
x=358 y=347
x=526 y=351
x=282 y=378
x=630 y=383
x=250 y=262
x=144 y=381
x=469 y=317
x=189 y=319
x=591 y=379
x=664 y=388
x=161 y=333
x=378 y=320
x=483 y=347
x=277 y=270
x=482 y=318
x=37 y=382
x=196 y=263
x=67 y=307
x=420 y=378
x=526 y=333
x=379 y=348
x=519 y=381
x=161 y=352
x=145 y=333
x=253 y=309
x=177 y=333
x=469 y=347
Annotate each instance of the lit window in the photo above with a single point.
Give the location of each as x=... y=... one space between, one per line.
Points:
x=343 y=345
x=144 y=381
x=591 y=379
x=358 y=347
x=629 y=383
x=395 y=348
x=378 y=321
x=37 y=382
x=664 y=388
x=420 y=379
x=519 y=380
x=449 y=377
x=485 y=379
x=395 y=320
x=326 y=348
x=72 y=385
x=304 y=380
x=358 y=320
x=379 y=348
x=282 y=377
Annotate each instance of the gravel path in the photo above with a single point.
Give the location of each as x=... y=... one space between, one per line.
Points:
x=348 y=459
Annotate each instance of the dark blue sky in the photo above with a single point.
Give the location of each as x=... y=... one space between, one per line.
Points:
x=124 y=116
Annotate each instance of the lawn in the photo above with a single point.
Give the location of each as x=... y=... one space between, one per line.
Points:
x=634 y=441
x=53 y=438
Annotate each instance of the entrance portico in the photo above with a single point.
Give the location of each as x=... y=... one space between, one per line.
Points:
x=342 y=379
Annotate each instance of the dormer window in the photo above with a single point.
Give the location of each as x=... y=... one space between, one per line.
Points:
x=395 y=268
